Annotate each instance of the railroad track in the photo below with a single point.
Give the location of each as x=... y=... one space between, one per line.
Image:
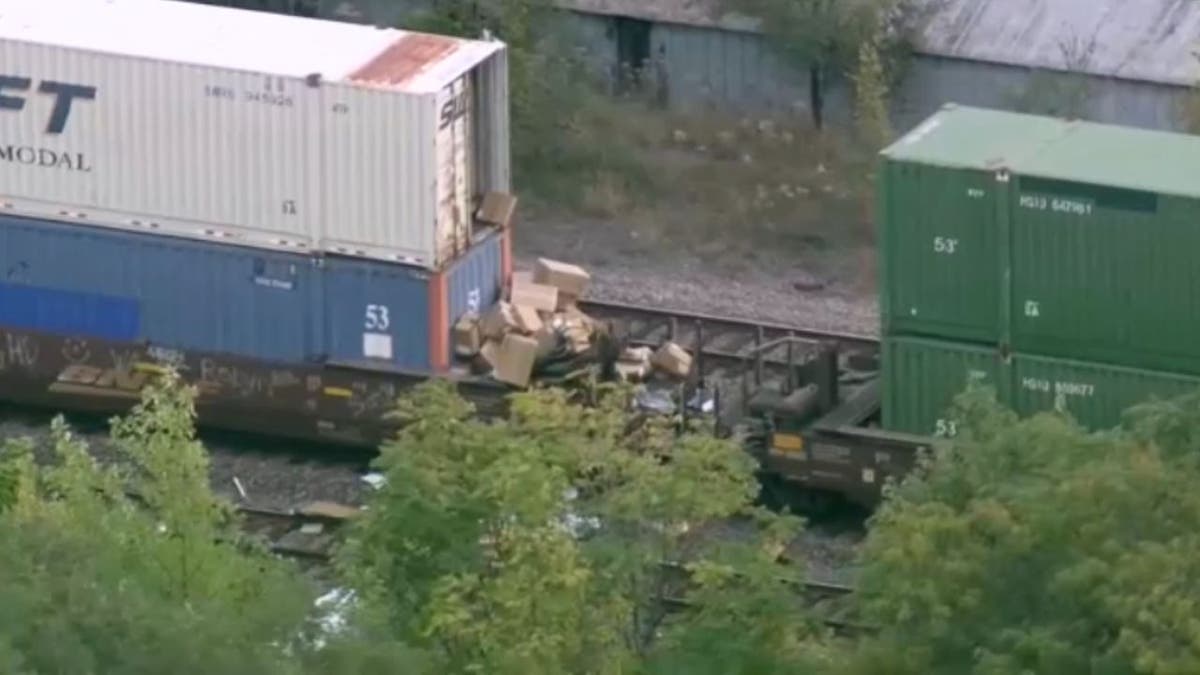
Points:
x=309 y=535
x=723 y=344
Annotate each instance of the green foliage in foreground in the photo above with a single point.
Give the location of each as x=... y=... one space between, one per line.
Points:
x=531 y=545
x=1036 y=547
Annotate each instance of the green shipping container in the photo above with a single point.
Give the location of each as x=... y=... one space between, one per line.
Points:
x=1105 y=235
x=1095 y=395
x=942 y=247
x=921 y=378
x=1043 y=236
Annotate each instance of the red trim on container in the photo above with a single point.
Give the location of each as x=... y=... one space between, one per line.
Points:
x=439 y=322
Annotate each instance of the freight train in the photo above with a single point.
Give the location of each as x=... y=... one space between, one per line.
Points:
x=297 y=229
x=1048 y=259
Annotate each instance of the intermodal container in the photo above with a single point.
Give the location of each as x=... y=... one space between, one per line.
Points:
x=1043 y=236
x=942 y=243
x=1094 y=394
x=251 y=128
x=922 y=377
x=1106 y=225
x=183 y=294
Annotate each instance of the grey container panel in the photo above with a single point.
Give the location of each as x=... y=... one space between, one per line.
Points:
x=922 y=377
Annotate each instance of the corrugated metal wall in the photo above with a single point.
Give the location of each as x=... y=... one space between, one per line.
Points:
x=726 y=69
x=178 y=293
x=376 y=312
x=934 y=81
x=703 y=66
x=493 y=164
x=474 y=283
x=189 y=295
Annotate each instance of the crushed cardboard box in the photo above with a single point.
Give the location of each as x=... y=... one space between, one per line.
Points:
x=467 y=337
x=515 y=359
x=672 y=360
x=541 y=324
x=570 y=279
x=528 y=319
x=539 y=297
x=499 y=320
x=497 y=208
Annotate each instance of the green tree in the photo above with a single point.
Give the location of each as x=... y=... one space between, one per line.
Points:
x=1037 y=547
x=93 y=580
x=535 y=544
x=824 y=38
x=871 y=92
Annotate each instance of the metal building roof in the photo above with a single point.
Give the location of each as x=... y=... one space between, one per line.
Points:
x=1078 y=151
x=261 y=42
x=1148 y=40
x=700 y=13
x=975 y=138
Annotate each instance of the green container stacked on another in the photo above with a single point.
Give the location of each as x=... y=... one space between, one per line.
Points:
x=1054 y=259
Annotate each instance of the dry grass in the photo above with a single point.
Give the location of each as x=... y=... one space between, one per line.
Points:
x=716 y=183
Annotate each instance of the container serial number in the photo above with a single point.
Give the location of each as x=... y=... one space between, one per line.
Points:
x=1056 y=204
x=1061 y=388
x=260 y=97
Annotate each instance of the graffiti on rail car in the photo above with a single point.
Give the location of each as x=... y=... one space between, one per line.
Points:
x=309 y=400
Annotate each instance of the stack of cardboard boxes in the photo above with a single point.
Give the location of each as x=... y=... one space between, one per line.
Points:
x=539 y=318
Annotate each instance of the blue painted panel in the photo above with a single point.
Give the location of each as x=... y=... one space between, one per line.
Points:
x=191 y=294
x=68 y=312
x=473 y=281
x=377 y=312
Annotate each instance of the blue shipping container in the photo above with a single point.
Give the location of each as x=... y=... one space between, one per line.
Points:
x=86 y=281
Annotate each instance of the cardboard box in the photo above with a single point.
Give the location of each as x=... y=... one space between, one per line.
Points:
x=490 y=353
x=673 y=360
x=540 y=297
x=632 y=372
x=497 y=208
x=515 y=359
x=576 y=315
x=570 y=279
x=499 y=320
x=528 y=320
x=637 y=355
x=467 y=337
x=547 y=339
x=567 y=301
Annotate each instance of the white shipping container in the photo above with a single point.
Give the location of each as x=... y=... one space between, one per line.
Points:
x=249 y=127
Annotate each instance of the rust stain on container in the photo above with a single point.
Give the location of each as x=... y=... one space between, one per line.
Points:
x=404 y=59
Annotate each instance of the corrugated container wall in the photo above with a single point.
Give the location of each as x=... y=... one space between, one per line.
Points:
x=923 y=377
x=335 y=137
x=1105 y=229
x=1095 y=395
x=83 y=282
x=1044 y=236
x=942 y=237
